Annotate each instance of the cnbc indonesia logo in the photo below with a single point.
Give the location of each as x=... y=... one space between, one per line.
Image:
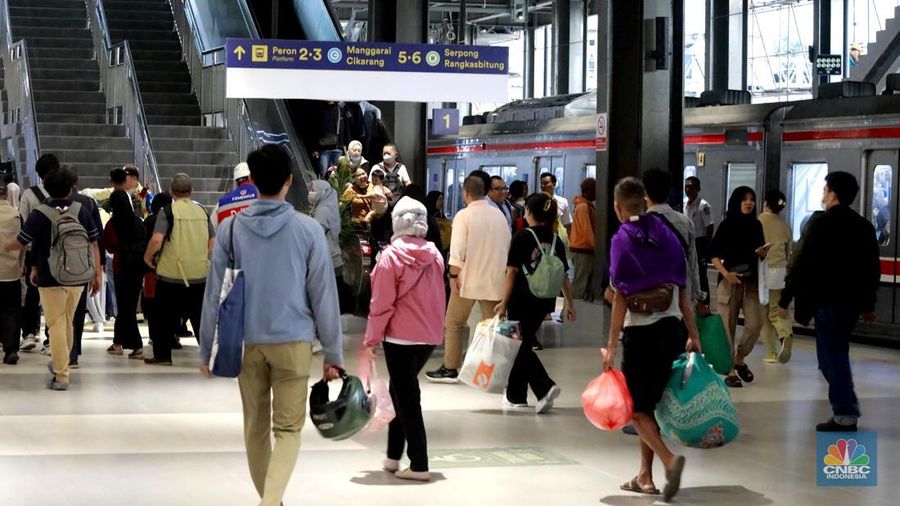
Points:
x=847 y=462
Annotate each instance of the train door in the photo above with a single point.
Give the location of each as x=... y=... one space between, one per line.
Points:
x=435 y=176
x=454 y=173
x=881 y=208
x=555 y=165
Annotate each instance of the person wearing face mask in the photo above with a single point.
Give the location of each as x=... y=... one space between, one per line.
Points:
x=736 y=248
x=395 y=174
x=353 y=159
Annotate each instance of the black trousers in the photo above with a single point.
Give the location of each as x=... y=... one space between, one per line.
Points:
x=172 y=299
x=31 y=311
x=404 y=364
x=78 y=324
x=10 y=315
x=527 y=369
x=152 y=315
x=128 y=291
x=702 y=244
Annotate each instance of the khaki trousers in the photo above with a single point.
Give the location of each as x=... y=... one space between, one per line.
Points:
x=456 y=328
x=59 y=310
x=774 y=327
x=731 y=300
x=273 y=384
x=583 y=282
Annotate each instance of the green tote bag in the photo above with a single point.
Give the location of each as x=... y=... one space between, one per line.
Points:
x=715 y=343
x=696 y=408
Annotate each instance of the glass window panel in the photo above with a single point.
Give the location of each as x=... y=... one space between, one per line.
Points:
x=690 y=171
x=560 y=173
x=779 y=34
x=449 y=193
x=590 y=170
x=590 y=66
x=509 y=173
x=740 y=174
x=694 y=47
x=807 y=181
x=882 y=197
x=493 y=170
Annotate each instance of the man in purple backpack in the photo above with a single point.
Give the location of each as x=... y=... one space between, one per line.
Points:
x=650 y=310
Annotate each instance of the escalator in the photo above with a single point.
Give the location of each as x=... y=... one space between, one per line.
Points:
x=315 y=20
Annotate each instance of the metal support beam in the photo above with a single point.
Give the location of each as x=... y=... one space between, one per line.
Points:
x=727 y=47
x=404 y=21
x=462 y=31
x=275 y=19
x=561 y=39
x=821 y=35
x=528 y=73
x=577 y=43
x=645 y=127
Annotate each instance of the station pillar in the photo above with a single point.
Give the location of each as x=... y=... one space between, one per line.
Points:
x=640 y=89
x=727 y=25
x=403 y=21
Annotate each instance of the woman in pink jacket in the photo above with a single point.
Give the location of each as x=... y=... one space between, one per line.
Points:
x=407 y=315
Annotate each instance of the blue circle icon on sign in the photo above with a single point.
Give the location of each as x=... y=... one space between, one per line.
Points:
x=335 y=55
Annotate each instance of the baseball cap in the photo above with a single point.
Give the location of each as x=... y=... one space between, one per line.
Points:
x=241 y=171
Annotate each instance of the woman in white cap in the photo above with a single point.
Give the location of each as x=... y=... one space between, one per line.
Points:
x=353 y=159
x=407 y=315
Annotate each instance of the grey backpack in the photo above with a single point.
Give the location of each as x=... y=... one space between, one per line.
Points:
x=71 y=256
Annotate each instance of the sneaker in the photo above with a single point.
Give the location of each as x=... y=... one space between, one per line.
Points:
x=514 y=405
x=153 y=361
x=73 y=364
x=45 y=350
x=56 y=385
x=29 y=343
x=11 y=358
x=537 y=346
x=409 y=474
x=786 y=345
x=744 y=372
x=391 y=465
x=546 y=404
x=770 y=358
x=99 y=327
x=443 y=375
x=733 y=382
x=832 y=426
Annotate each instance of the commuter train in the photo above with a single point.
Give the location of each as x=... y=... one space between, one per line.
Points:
x=789 y=145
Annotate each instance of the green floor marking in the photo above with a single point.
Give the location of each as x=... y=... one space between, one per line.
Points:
x=495 y=457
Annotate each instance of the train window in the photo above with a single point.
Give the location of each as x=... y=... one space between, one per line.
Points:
x=493 y=170
x=560 y=173
x=690 y=171
x=740 y=174
x=460 y=201
x=807 y=181
x=509 y=173
x=449 y=193
x=590 y=170
x=882 y=192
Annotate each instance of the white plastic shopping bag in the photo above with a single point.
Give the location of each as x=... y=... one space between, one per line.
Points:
x=383 y=406
x=491 y=354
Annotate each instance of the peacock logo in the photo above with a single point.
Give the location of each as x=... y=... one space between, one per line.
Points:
x=847 y=452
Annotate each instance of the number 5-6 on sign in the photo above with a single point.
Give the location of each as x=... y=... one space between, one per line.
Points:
x=445 y=122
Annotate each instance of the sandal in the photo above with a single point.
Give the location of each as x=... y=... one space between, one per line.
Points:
x=733 y=382
x=744 y=372
x=137 y=354
x=115 y=349
x=673 y=478
x=634 y=486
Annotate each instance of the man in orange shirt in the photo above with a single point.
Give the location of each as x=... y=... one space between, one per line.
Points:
x=581 y=241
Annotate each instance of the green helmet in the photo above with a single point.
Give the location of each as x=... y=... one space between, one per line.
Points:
x=345 y=416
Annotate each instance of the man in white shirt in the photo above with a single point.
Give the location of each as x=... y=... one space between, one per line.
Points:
x=479 y=248
x=700 y=213
x=548 y=185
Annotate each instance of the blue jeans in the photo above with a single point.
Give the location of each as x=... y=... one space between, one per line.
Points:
x=328 y=158
x=833 y=329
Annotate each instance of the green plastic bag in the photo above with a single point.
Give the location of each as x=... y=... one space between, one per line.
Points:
x=715 y=343
x=696 y=408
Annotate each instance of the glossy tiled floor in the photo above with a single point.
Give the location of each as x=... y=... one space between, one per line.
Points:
x=126 y=434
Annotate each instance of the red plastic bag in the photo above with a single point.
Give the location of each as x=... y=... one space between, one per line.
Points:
x=607 y=402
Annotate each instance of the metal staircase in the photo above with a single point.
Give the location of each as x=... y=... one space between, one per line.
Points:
x=882 y=56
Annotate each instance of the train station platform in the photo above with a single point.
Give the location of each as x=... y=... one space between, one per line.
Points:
x=126 y=433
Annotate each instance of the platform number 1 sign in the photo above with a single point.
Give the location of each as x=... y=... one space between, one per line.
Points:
x=445 y=122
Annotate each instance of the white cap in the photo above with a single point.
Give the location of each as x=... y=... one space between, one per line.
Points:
x=241 y=171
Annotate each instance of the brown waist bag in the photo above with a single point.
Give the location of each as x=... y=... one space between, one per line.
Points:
x=651 y=301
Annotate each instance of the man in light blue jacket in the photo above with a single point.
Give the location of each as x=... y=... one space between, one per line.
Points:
x=290 y=301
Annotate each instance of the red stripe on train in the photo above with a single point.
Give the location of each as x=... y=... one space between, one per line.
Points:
x=889 y=267
x=519 y=146
x=853 y=133
x=719 y=138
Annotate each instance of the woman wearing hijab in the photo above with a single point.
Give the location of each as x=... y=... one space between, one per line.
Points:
x=353 y=159
x=124 y=239
x=323 y=206
x=736 y=248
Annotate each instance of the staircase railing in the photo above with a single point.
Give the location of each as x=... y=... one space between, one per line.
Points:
x=21 y=110
x=251 y=123
x=124 y=106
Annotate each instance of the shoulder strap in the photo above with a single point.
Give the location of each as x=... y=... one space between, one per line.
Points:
x=231 y=241
x=541 y=246
x=170 y=220
x=73 y=209
x=681 y=240
x=39 y=193
x=50 y=212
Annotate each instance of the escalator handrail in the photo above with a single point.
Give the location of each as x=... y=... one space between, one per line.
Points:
x=151 y=170
x=29 y=128
x=201 y=53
